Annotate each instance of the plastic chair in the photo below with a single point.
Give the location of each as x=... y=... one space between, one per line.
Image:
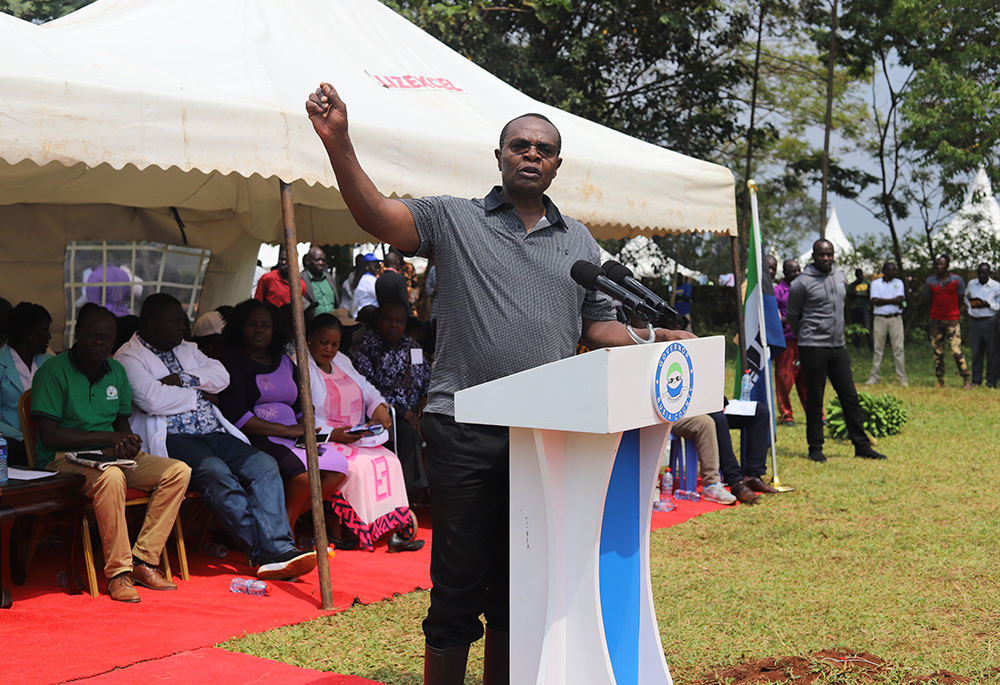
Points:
x=133 y=497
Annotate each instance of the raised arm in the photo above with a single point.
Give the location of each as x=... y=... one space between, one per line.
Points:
x=388 y=220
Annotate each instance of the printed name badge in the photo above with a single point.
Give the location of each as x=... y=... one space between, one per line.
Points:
x=416 y=356
x=673 y=382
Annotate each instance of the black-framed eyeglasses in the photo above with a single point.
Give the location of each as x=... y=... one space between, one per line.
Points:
x=519 y=146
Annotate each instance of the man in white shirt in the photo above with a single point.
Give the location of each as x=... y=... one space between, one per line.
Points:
x=887 y=295
x=982 y=297
x=364 y=293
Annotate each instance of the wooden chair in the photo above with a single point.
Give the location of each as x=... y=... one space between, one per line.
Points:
x=133 y=497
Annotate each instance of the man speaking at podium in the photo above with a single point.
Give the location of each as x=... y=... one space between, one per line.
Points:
x=503 y=264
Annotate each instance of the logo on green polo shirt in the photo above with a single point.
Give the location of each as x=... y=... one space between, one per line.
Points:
x=112 y=392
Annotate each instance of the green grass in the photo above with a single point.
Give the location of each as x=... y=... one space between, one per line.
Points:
x=896 y=558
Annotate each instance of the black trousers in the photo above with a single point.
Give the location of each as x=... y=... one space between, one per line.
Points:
x=818 y=364
x=983 y=337
x=468 y=474
x=755 y=438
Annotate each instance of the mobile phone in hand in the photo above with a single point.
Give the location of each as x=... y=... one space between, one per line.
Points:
x=320 y=439
x=363 y=429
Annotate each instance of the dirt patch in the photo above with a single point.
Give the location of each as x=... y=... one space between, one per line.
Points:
x=940 y=678
x=817 y=669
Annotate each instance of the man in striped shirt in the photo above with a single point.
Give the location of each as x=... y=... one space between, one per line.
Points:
x=503 y=264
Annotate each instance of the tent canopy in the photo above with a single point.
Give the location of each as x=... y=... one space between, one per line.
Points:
x=835 y=234
x=424 y=119
x=115 y=115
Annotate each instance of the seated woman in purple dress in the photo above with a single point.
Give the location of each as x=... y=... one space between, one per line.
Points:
x=373 y=501
x=262 y=400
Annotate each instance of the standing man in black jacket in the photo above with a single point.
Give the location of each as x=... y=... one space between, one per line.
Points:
x=816 y=316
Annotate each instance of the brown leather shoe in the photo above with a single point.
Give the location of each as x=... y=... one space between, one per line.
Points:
x=121 y=589
x=151 y=577
x=743 y=494
x=757 y=485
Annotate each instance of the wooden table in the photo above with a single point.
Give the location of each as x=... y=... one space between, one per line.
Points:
x=37 y=497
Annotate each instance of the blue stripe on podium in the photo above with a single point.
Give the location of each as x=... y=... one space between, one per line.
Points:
x=620 y=560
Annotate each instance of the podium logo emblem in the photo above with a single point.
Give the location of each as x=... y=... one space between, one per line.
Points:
x=673 y=382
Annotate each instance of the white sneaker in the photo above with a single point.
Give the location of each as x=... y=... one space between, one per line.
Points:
x=716 y=492
x=872 y=381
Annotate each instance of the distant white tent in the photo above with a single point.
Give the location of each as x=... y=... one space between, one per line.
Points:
x=647 y=260
x=835 y=234
x=973 y=228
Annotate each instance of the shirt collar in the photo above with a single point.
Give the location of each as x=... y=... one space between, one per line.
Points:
x=494 y=201
x=150 y=347
x=104 y=369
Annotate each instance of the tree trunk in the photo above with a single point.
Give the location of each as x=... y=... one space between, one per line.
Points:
x=829 y=122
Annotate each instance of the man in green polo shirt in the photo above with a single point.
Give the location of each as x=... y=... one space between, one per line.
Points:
x=81 y=401
x=321 y=290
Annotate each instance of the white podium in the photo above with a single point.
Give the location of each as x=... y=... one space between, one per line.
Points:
x=586 y=436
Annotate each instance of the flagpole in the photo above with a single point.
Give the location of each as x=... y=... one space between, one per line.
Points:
x=766 y=349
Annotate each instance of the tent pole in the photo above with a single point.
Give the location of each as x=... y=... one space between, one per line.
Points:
x=734 y=243
x=305 y=398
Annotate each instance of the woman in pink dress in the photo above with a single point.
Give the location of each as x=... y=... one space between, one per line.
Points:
x=373 y=500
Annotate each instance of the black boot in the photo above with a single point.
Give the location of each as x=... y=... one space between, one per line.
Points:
x=445 y=666
x=496 y=659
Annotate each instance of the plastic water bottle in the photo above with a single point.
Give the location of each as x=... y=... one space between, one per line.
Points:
x=745 y=385
x=249 y=586
x=215 y=549
x=664 y=499
x=3 y=459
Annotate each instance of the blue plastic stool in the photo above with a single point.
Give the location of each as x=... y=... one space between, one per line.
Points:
x=684 y=468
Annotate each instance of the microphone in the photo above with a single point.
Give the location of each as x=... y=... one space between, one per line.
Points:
x=622 y=275
x=592 y=277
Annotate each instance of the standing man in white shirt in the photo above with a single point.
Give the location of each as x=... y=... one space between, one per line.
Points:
x=364 y=292
x=982 y=297
x=887 y=295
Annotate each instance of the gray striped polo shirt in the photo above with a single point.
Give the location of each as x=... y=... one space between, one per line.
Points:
x=506 y=301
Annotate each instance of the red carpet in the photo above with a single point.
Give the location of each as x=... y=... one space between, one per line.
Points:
x=684 y=510
x=48 y=636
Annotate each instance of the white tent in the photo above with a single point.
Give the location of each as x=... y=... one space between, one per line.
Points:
x=835 y=234
x=646 y=260
x=87 y=138
x=424 y=119
x=92 y=146
x=974 y=225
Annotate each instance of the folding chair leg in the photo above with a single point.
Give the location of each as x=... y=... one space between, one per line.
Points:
x=88 y=559
x=165 y=558
x=36 y=532
x=181 y=548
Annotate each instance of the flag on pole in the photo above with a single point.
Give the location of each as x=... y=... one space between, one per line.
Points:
x=759 y=287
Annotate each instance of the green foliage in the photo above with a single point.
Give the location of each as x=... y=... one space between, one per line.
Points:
x=884 y=415
x=41 y=11
x=660 y=72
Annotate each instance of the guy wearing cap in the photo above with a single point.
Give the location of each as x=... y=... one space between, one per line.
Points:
x=207 y=334
x=321 y=290
x=364 y=294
